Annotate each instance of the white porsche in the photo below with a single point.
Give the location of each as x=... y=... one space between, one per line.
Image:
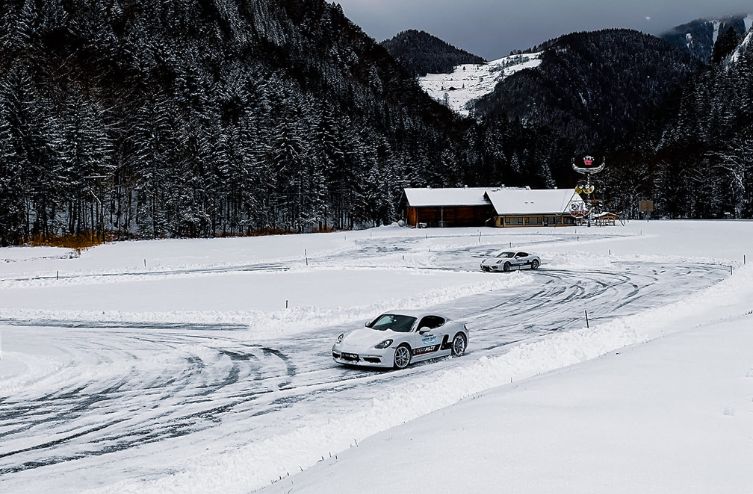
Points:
x=508 y=260
x=398 y=339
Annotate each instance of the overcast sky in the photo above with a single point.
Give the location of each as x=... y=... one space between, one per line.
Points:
x=491 y=28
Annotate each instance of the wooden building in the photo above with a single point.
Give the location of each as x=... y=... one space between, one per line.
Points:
x=535 y=208
x=479 y=206
x=606 y=219
x=450 y=207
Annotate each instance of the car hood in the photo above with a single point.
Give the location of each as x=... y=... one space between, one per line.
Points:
x=368 y=338
x=492 y=260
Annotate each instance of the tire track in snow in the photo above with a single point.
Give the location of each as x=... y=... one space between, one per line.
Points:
x=176 y=382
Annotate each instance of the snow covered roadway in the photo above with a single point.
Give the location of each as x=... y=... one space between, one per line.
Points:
x=126 y=406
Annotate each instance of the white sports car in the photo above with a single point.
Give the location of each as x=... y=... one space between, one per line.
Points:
x=398 y=339
x=509 y=260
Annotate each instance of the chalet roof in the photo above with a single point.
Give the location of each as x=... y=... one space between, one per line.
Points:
x=465 y=196
x=505 y=200
x=526 y=202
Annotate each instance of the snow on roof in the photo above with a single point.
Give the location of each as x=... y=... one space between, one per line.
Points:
x=517 y=201
x=466 y=196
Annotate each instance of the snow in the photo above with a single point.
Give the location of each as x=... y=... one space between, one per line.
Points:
x=153 y=256
x=505 y=200
x=470 y=82
x=509 y=201
x=673 y=416
x=743 y=46
x=716 y=24
x=466 y=196
x=748 y=22
x=196 y=379
x=18 y=254
x=268 y=302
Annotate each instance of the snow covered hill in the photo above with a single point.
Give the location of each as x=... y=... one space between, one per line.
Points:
x=470 y=82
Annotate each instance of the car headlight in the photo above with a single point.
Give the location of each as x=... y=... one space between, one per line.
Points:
x=340 y=338
x=500 y=262
x=384 y=344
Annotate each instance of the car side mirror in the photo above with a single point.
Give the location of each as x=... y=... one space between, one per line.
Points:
x=424 y=330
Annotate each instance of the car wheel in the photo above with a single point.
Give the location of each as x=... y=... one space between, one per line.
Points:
x=402 y=357
x=507 y=267
x=535 y=264
x=459 y=343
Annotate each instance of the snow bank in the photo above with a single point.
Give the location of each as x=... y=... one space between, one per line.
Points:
x=19 y=254
x=315 y=297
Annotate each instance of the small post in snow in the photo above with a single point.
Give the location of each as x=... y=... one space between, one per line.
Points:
x=144 y=263
x=744 y=259
x=730 y=270
x=286 y=304
x=306 y=255
x=57 y=275
x=588 y=324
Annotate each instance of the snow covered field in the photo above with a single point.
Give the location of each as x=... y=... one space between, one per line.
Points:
x=470 y=82
x=187 y=374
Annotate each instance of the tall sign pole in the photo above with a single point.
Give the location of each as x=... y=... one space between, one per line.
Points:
x=585 y=186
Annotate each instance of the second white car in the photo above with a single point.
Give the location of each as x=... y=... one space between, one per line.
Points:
x=507 y=260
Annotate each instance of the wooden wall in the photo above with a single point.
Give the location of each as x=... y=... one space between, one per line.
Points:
x=451 y=216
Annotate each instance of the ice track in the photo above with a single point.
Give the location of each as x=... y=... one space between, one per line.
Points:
x=131 y=401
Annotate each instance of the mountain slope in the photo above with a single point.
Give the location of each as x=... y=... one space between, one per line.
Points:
x=700 y=37
x=200 y=118
x=592 y=87
x=704 y=159
x=421 y=53
x=467 y=83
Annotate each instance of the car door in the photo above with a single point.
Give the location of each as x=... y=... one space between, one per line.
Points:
x=521 y=259
x=429 y=344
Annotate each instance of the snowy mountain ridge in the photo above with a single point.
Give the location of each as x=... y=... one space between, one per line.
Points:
x=469 y=82
x=735 y=57
x=699 y=37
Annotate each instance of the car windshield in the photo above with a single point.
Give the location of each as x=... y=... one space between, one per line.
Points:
x=506 y=255
x=400 y=324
